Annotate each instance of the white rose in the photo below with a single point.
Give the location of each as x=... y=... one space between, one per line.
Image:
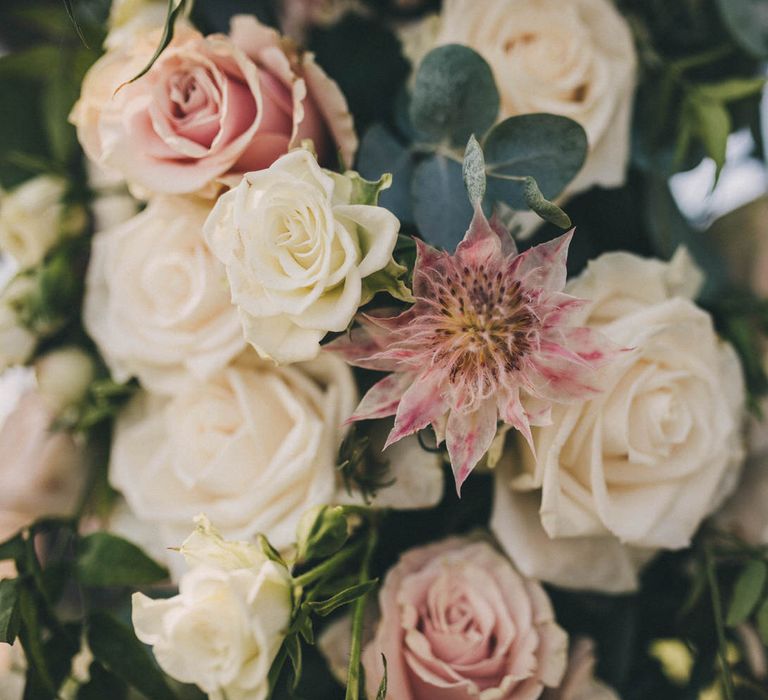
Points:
x=156 y=301
x=63 y=377
x=643 y=463
x=296 y=253
x=17 y=343
x=254 y=447
x=225 y=627
x=32 y=218
x=112 y=204
x=575 y=58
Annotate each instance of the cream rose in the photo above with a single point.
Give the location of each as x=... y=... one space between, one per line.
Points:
x=209 y=107
x=253 y=447
x=42 y=471
x=63 y=377
x=575 y=58
x=156 y=301
x=457 y=621
x=31 y=218
x=297 y=251
x=225 y=627
x=643 y=463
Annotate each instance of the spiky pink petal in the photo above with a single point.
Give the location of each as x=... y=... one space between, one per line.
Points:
x=421 y=404
x=468 y=437
x=383 y=398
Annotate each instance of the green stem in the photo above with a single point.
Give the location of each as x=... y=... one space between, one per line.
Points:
x=717 y=611
x=328 y=566
x=358 y=617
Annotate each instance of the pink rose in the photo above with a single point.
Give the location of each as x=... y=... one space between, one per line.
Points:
x=209 y=107
x=458 y=622
x=41 y=471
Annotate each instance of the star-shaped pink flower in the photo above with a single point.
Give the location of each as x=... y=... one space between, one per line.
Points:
x=487 y=339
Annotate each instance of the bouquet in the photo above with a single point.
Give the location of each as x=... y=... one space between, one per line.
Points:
x=385 y=349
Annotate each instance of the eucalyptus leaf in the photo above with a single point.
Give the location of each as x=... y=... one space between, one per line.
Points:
x=747 y=21
x=454 y=95
x=747 y=592
x=473 y=171
x=9 y=610
x=115 y=646
x=348 y=595
x=104 y=559
x=380 y=152
x=440 y=205
x=547 y=147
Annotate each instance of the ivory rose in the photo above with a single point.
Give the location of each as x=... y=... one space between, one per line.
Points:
x=253 y=447
x=209 y=106
x=642 y=464
x=457 y=621
x=297 y=251
x=225 y=627
x=575 y=58
x=17 y=342
x=42 y=470
x=156 y=302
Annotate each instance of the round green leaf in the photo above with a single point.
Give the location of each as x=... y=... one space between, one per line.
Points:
x=454 y=95
x=747 y=591
x=747 y=21
x=440 y=205
x=549 y=148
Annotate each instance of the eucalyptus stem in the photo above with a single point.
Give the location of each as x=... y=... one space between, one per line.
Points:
x=328 y=566
x=358 y=617
x=717 y=611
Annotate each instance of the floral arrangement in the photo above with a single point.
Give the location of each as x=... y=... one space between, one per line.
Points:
x=385 y=349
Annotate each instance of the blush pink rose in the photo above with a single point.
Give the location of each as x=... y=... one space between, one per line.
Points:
x=209 y=107
x=458 y=622
x=41 y=471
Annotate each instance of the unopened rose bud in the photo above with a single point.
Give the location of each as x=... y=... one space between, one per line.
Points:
x=322 y=531
x=63 y=377
x=31 y=219
x=16 y=341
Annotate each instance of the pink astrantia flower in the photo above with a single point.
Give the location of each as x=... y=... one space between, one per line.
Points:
x=489 y=338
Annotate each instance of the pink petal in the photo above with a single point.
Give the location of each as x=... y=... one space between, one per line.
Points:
x=481 y=242
x=421 y=404
x=468 y=437
x=359 y=348
x=544 y=265
x=511 y=411
x=383 y=398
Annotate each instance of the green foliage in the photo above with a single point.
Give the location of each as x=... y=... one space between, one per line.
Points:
x=343 y=597
x=102 y=685
x=473 y=171
x=454 y=95
x=543 y=207
x=361 y=467
x=747 y=21
x=747 y=592
x=9 y=610
x=322 y=531
x=115 y=646
x=104 y=559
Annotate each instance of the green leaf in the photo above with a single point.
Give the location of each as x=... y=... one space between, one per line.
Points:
x=733 y=89
x=31 y=635
x=71 y=14
x=747 y=21
x=473 y=171
x=115 y=646
x=102 y=685
x=293 y=647
x=712 y=124
x=367 y=191
x=381 y=694
x=547 y=147
x=269 y=551
x=167 y=37
x=454 y=95
x=12 y=548
x=9 y=610
x=440 y=205
x=58 y=96
x=104 y=559
x=389 y=280
x=321 y=532
x=326 y=607
x=543 y=207
x=762 y=621
x=747 y=592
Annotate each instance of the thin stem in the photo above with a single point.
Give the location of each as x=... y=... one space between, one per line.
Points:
x=358 y=617
x=717 y=610
x=328 y=566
